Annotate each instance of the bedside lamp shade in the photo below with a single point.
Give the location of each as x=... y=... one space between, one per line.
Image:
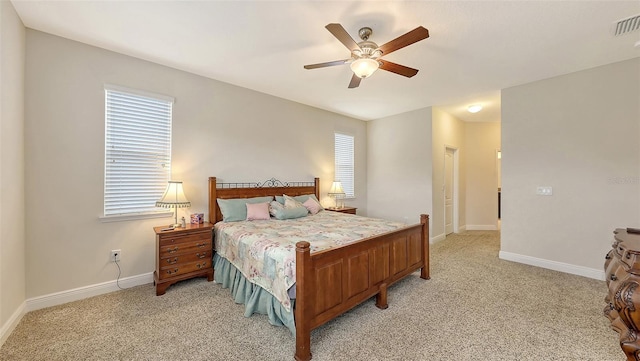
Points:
x=336 y=191
x=174 y=197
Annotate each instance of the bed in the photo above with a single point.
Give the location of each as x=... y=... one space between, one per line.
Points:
x=330 y=281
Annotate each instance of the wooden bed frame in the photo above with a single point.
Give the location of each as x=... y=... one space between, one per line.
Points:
x=331 y=282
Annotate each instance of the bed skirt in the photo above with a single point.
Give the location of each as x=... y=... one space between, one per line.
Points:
x=254 y=298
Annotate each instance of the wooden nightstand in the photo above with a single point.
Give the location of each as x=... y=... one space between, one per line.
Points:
x=350 y=210
x=182 y=253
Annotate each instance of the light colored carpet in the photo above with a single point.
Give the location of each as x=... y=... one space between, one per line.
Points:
x=475 y=307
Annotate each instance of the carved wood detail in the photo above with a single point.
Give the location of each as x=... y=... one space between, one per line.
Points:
x=622 y=271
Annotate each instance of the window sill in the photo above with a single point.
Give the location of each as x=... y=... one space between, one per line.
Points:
x=131 y=217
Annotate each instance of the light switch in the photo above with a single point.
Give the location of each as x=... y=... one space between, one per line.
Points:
x=544 y=191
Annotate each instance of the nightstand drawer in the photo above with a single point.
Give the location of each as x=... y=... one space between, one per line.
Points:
x=179 y=269
x=185 y=258
x=200 y=245
x=169 y=239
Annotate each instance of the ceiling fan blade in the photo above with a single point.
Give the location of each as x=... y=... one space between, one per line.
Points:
x=338 y=31
x=355 y=81
x=326 y=64
x=409 y=38
x=397 y=68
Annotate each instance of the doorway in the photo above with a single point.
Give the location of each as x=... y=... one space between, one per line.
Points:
x=450 y=190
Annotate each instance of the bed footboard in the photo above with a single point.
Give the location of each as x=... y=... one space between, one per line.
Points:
x=331 y=282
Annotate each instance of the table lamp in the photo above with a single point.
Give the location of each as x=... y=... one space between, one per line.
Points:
x=336 y=191
x=174 y=197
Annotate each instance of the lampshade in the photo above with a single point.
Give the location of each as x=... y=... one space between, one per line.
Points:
x=336 y=189
x=173 y=197
x=364 y=67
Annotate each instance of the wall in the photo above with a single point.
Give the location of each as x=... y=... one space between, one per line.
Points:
x=12 y=214
x=448 y=131
x=218 y=130
x=577 y=133
x=399 y=166
x=481 y=140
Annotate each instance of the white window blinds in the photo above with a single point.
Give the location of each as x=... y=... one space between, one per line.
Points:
x=344 y=163
x=137 y=151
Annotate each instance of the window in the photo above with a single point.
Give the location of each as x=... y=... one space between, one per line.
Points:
x=344 y=163
x=137 y=151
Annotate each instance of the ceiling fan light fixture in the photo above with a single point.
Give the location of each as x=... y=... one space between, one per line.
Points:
x=364 y=67
x=474 y=108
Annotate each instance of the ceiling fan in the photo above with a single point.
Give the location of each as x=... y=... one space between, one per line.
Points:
x=366 y=56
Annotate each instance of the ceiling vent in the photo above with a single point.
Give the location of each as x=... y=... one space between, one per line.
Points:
x=627 y=25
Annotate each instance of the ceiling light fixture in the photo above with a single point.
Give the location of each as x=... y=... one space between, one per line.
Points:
x=364 y=67
x=474 y=108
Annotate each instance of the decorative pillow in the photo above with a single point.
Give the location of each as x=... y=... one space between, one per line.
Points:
x=257 y=211
x=303 y=198
x=312 y=205
x=290 y=202
x=300 y=199
x=275 y=206
x=235 y=209
x=291 y=213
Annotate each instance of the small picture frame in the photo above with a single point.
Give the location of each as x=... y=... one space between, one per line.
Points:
x=197 y=218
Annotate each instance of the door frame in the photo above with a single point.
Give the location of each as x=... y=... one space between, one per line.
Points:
x=455 y=197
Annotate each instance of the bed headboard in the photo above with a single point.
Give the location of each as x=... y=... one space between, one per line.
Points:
x=270 y=187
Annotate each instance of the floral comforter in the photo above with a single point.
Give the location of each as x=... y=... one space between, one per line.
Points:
x=264 y=251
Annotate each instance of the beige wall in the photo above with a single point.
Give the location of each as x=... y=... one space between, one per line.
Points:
x=12 y=214
x=399 y=166
x=218 y=130
x=577 y=133
x=448 y=131
x=481 y=141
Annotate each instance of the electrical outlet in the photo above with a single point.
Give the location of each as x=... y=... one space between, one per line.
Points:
x=544 y=191
x=115 y=255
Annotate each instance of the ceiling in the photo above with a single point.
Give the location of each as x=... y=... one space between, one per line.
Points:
x=475 y=49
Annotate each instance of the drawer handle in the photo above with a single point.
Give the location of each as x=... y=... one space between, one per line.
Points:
x=201 y=265
x=202 y=245
x=172 y=261
x=201 y=255
x=174 y=250
x=613 y=277
x=172 y=272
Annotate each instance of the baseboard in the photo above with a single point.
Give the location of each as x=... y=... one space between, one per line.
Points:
x=462 y=228
x=76 y=294
x=438 y=238
x=11 y=323
x=482 y=227
x=553 y=265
